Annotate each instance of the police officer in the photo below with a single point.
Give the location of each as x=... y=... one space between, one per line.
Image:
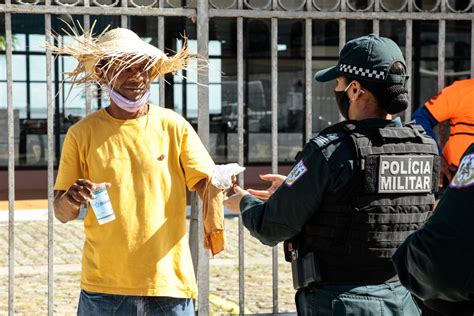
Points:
x=436 y=263
x=356 y=191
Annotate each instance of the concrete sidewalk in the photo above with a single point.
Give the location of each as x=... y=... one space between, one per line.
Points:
x=25 y=215
x=31 y=250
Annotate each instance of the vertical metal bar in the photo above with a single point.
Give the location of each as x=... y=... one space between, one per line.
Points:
x=472 y=48
x=443 y=127
x=87 y=86
x=308 y=75
x=194 y=231
x=342 y=26
x=203 y=78
x=240 y=131
x=376 y=22
x=203 y=129
x=11 y=166
x=274 y=78
x=441 y=48
x=409 y=61
x=88 y=100
x=161 y=45
x=124 y=18
x=28 y=79
x=342 y=37
x=50 y=120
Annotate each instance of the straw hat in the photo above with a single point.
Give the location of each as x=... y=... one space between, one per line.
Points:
x=120 y=47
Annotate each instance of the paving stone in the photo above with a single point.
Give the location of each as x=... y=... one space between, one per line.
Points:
x=31 y=286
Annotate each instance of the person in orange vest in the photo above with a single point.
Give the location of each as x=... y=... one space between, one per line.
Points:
x=453 y=103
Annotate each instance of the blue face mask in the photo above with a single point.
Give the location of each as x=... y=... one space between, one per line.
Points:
x=126 y=104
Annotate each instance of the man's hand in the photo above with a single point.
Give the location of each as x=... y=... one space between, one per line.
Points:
x=276 y=180
x=447 y=171
x=68 y=203
x=233 y=201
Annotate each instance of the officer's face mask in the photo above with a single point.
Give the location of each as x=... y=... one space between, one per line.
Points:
x=343 y=101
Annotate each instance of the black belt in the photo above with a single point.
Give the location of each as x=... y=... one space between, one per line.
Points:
x=363 y=278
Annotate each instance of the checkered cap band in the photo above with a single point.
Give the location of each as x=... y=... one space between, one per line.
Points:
x=362 y=72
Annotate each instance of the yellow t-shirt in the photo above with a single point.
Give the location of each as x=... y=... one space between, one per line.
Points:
x=148 y=161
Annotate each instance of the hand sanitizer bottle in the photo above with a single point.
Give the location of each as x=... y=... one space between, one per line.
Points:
x=101 y=205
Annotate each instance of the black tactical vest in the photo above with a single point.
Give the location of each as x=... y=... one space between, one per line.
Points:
x=354 y=235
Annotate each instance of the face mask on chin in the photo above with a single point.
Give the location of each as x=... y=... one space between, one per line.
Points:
x=126 y=104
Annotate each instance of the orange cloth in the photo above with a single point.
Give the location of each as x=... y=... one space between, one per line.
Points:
x=213 y=216
x=455 y=103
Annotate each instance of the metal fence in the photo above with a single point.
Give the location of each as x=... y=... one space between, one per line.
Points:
x=200 y=12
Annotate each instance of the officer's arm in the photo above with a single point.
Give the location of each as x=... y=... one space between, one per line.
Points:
x=424 y=118
x=410 y=265
x=424 y=265
x=292 y=205
x=436 y=261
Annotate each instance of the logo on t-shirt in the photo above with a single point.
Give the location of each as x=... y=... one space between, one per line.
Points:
x=464 y=177
x=161 y=157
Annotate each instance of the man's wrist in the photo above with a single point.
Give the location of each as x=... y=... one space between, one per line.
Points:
x=65 y=210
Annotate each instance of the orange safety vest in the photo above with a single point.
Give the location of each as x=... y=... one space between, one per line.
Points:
x=456 y=104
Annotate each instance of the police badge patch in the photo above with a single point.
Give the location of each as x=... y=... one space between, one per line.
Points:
x=296 y=173
x=464 y=177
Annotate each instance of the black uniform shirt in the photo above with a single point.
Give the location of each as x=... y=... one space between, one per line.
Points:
x=326 y=165
x=437 y=261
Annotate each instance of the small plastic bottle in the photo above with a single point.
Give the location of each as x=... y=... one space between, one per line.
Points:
x=101 y=205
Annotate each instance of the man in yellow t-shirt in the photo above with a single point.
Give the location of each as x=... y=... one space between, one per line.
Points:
x=138 y=263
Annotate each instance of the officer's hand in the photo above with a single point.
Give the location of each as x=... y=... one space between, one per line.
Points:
x=276 y=179
x=233 y=202
x=447 y=171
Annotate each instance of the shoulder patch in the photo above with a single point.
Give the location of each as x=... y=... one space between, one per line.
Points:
x=325 y=139
x=298 y=170
x=464 y=177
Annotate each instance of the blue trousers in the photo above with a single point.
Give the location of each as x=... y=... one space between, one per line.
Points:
x=92 y=304
x=357 y=300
